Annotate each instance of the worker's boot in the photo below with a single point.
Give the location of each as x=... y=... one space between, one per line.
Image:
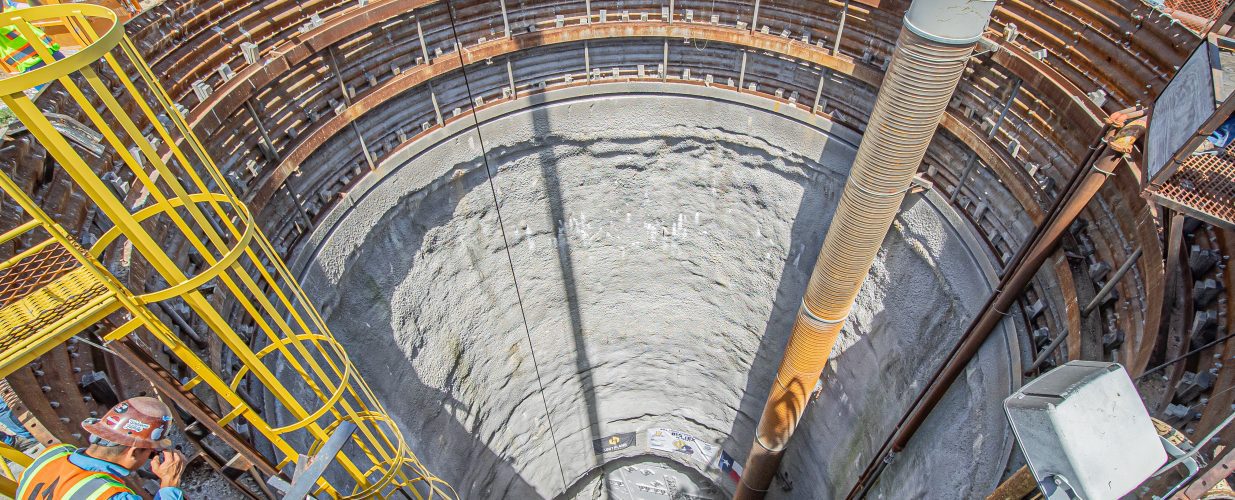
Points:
x=23 y=444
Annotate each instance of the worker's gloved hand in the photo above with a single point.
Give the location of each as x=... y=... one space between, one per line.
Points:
x=168 y=465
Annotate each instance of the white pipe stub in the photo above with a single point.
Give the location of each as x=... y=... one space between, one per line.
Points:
x=954 y=22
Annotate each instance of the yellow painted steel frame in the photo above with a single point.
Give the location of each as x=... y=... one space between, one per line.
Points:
x=8 y=480
x=300 y=359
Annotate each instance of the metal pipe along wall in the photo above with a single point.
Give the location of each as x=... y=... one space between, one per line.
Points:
x=1035 y=252
x=921 y=79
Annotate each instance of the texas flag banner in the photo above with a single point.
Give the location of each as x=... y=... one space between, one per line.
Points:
x=730 y=466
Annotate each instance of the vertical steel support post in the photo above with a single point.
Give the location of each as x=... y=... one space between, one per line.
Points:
x=364 y=148
x=437 y=110
x=840 y=28
x=510 y=77
x=754 y=18
x=823 y=76
x=742 y=72
x=505 y=19
x=1003 y=111
x=338 y=75
x=261 y=128
x=664 y=75
x=970 y=165
x=420 y=34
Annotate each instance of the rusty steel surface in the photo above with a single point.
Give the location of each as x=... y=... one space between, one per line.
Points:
x=1079 y=110
x=230 y=97
x=1220 y=469
x=1143 y=291
x=1220 y=401
x=34 y=272
x=31 y=406
x=248 y=82
x=1104 y=17
x=496 y=48
x=48 y=400
x=247 y=20
x=1203 y=187
x=1071 y=313
x=1177 y=310
x=1015 y=487
x=1082 y=37
x=302 y=46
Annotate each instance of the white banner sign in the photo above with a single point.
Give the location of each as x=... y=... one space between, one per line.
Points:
x=680 y=442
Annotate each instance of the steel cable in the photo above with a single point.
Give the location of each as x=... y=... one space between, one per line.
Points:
x=484 y=153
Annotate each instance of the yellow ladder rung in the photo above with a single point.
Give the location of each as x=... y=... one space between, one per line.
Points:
x=122 y=330
x=188 y=386
x=227 y=419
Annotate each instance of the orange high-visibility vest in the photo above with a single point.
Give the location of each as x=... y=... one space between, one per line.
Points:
x=53 y=477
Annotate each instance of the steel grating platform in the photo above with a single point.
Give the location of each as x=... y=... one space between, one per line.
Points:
x=46 y=298
x=1203 y=187
x=35 y=271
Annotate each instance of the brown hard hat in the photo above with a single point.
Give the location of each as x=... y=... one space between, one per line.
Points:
x=142 y=422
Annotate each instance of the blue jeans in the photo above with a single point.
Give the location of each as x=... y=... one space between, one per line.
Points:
x=1224 y=134
x=15 y=427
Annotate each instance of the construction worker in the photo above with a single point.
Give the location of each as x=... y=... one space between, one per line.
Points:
x=124 y=440
x=16 y=50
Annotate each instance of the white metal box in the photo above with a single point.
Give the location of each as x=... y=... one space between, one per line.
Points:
x=1083 y=427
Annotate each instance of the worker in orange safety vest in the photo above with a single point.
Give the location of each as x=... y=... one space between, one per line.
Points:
x=122 y=441
x=16 y=50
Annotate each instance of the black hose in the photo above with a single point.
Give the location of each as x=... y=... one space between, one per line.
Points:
x=1184 y=355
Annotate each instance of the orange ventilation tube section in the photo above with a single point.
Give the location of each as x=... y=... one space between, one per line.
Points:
x=931 y=53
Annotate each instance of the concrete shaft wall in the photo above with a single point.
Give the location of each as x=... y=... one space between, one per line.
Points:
x=661 y=243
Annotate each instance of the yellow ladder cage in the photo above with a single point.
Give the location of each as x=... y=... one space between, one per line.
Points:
x=57 y=288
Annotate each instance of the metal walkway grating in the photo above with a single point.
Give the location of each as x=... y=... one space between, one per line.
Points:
x=34 y=271
x=47 y=299
x=1204 y=186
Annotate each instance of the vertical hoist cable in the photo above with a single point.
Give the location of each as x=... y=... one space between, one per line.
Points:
x=484 y=153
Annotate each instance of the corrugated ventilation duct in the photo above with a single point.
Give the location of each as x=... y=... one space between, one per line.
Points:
x=930 y=56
